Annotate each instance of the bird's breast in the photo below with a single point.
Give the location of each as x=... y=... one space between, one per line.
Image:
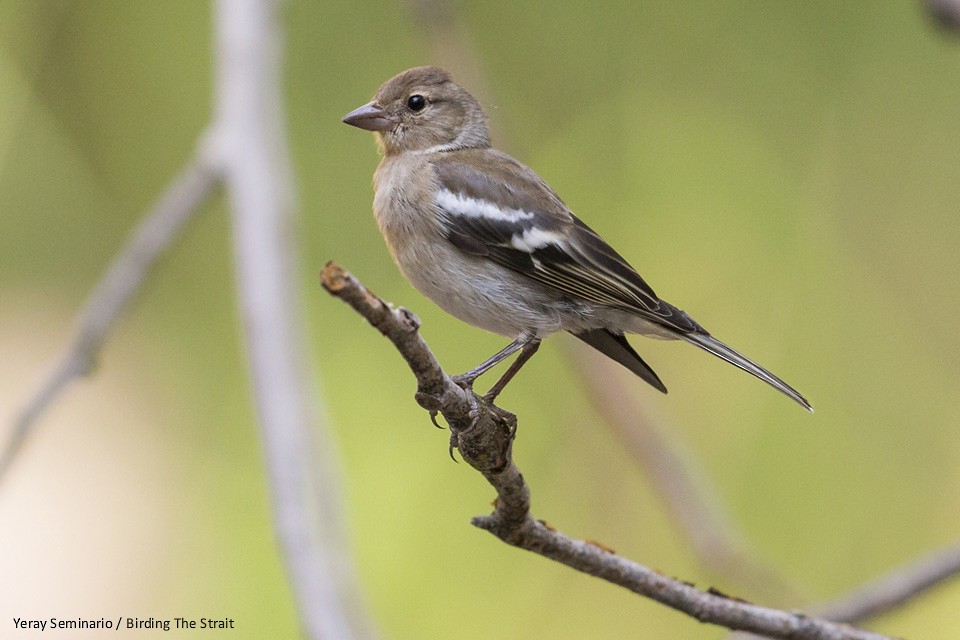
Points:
x=468 y=287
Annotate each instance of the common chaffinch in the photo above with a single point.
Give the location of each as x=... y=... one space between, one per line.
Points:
x=491 y=243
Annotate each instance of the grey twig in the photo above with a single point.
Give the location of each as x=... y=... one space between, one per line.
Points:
x=300 y=462
x=483 y=433
x=111 y=296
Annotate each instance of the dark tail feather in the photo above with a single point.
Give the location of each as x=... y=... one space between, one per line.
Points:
x=712 y=345
x=616 y=347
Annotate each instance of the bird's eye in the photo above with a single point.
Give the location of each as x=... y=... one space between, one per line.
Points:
x=416 y=102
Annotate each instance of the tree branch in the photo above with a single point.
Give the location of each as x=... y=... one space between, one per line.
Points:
x=111 y=296
x=483 y=433
x=299 y=458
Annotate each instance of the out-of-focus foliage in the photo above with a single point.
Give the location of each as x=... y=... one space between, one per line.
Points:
x=786 y=172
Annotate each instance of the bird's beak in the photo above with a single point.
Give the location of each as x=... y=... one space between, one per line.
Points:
x=370 y=117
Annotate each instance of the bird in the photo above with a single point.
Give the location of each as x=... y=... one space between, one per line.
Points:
x=490 y=242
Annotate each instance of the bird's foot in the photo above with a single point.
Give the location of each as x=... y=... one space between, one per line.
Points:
x=464 y=381
x=507 y=419
x=474 y=416
x=432 y=404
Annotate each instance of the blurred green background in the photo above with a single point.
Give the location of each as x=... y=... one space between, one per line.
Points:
x=786 y=172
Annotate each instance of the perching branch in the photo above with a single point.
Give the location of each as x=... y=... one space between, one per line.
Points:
x=483 y=433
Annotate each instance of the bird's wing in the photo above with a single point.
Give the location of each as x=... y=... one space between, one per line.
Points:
x=494 y=207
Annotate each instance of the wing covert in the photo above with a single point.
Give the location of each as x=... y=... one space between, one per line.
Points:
x=492 y=206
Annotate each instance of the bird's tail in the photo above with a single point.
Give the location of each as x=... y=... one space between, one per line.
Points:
x=708 y=343
x=615 y=346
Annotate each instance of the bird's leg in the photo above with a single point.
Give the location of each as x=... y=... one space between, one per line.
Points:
x=527 y=349
x=467 y=379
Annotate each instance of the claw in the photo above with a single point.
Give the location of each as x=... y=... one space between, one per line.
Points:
x=453 y=445
x=433 y=418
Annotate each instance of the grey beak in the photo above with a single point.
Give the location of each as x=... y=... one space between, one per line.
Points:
x=370 y=117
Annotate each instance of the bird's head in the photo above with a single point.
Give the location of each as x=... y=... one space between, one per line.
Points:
x=422 y=109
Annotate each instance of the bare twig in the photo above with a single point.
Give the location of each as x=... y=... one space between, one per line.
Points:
x=260 y=185
x=111 y=296
x=483 y=433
